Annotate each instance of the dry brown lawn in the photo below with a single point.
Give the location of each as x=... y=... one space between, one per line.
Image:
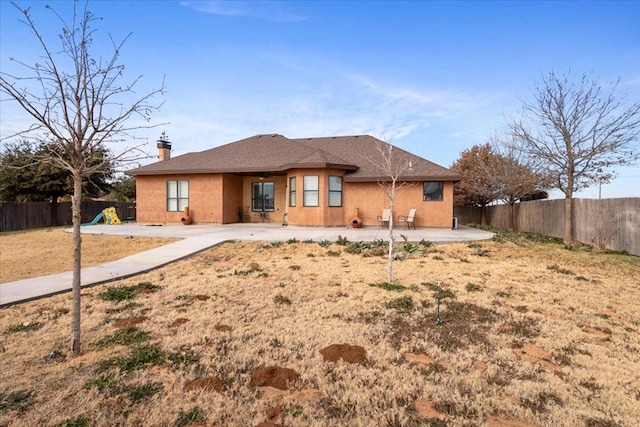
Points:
x=27 y=254
x=531 y=334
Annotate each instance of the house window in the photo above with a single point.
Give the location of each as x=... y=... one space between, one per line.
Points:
x=292 y=191
x=310 y=191
x=432 y=190
x=335 y=191
x=262 y=196
x=177 y=195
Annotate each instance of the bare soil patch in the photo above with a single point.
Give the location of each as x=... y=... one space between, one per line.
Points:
x=40 y=252
x=529 y=334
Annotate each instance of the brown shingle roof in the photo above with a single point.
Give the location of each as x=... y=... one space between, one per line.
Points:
x=277 y=154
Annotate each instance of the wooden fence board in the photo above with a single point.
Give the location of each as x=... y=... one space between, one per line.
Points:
x=593 y=218
x=28 y=215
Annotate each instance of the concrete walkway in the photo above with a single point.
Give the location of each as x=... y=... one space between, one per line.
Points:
x=197 y=238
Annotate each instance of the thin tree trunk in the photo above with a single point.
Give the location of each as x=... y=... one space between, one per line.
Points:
x=391 y=238
x=77 y=262
x=568 y=220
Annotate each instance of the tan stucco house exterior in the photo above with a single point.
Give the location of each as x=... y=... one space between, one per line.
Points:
x=308 y=181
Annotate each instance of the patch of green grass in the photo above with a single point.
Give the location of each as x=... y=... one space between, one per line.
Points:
x=183 y=358
x=444 y=293
x=253 y=268
x=139 y=358
x=79 y=421
x=472 y=287
x=126 y=336
x=141 y=392
x=105 y=383
x=404 y=303
x=502 y=235
x=389 y=286
x=123 y=293
x=293 y=410
x=558 y=269
x=128 y=306
x=24 y=327
x=193 y=416
x=16 y=400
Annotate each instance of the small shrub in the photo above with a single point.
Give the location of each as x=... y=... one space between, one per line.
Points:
x=292 y=241
x=294 y=267
x=389 y=286
x=333 y=253
x=438 y=258
x=426 y=243
x=194 y=416
x=342 y=241
x=324 y=243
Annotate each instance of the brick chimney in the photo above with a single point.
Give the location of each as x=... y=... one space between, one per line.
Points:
x=164 y=147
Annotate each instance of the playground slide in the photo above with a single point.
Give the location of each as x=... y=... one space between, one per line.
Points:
x=95 y=220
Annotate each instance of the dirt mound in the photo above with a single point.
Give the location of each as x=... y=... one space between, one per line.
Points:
x=348 y=353
x=179 y=321
x=273 y=376
x=222 y=328
x=206 y=384
x=129 y=322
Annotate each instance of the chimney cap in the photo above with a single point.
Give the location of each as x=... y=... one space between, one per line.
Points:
x=163 y=142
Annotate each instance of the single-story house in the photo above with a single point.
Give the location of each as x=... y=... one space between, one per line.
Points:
x=324 y=181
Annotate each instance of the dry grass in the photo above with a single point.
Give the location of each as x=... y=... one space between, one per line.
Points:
x=533 y=335
x=27 y=254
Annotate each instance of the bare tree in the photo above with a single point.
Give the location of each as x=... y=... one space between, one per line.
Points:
x=392 y=165
x=76 y=100
x=581 y=131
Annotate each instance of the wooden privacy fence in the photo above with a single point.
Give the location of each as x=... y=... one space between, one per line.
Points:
x=28 y=215
x=610 y=223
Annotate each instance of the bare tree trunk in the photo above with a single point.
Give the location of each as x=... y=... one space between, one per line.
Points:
x=568 y=219
x=77 y=263
x=391 y=237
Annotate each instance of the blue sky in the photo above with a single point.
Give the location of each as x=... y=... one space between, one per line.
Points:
x=434 y=78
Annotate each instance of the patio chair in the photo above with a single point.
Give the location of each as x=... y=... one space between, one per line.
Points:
x=384 y=218
x=409 y=220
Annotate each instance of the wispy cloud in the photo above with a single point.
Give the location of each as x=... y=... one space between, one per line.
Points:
x=267 y=10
